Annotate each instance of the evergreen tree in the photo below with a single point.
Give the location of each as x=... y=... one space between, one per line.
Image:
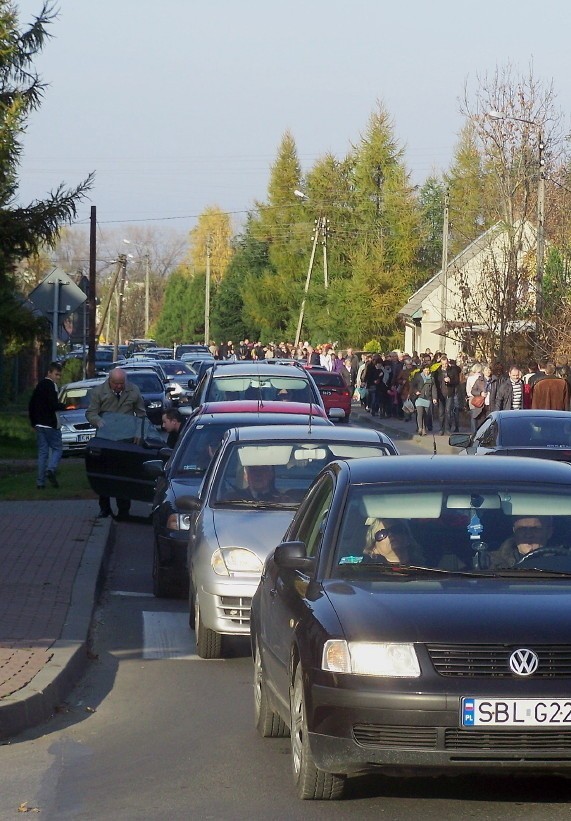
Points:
x=431 y=202
x=468 y=185
x=23 y=229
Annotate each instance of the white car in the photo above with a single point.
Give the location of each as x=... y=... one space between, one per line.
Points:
x=76 y=431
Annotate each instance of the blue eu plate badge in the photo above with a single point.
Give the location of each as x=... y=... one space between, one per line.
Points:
x=468 y=712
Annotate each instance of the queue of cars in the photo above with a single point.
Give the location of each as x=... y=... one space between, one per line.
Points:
x=406 y=612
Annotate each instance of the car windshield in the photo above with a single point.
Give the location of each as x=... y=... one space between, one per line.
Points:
x=146 y=382
x=279 y=473
x=122 y=427
x=74 y=398
x=197 y=449
x=535 y=431
x=172 y=368
x=226 y=388
x=481 y=529
x=324 y=379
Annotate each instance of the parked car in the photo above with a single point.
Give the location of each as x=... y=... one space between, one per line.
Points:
x=435 y=658
x=153 y=390
x=179 y=377
x=182 y=475
x=545 y=434
x=245 y=504
x=76 y=431
x=334 y=392
x=230 y=381
x=194 y=348
x=115 y=455
x=105 y=361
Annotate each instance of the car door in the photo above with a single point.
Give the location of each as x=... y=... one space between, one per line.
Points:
x=486 y=438
x=283 y=594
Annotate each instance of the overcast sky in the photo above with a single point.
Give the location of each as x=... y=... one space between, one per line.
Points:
x=181 y=104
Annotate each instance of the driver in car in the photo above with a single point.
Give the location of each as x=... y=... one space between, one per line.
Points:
x=530 y=533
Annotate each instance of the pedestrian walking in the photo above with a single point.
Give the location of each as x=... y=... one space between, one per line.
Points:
x=551 y=392
x=115 y=395
x=42 y=412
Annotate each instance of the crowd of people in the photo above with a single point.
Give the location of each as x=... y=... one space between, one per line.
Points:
x=430 y=388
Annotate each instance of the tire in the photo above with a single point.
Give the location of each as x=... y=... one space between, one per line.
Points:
x=191 y=620
x=310 y=782
x=208 y=642
x=268 y=723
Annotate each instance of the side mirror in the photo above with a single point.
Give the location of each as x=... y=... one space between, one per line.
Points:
x=154 y=468
x=460 y=440
x=336 y=413
x=188 y=504
x=292 y=555
x=165 y=454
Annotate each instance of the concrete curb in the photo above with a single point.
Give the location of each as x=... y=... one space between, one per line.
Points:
x=36 y=703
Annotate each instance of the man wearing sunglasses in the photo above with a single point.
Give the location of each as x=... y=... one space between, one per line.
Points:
x=530 y=533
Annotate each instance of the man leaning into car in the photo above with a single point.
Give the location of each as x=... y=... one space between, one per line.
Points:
x=115 y=395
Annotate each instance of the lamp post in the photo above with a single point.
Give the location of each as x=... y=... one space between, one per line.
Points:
x=540 y=239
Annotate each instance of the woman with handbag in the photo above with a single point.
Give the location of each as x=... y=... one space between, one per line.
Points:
x=479 y=400
x=425 y=397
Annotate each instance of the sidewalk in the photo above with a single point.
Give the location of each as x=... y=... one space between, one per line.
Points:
x=399 y=429
x=51 y=560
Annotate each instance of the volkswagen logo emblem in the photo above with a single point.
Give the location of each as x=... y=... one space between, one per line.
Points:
x=524 y=662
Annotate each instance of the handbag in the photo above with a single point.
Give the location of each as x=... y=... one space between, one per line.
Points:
x=477 y=401
x=422 y=403
x=408 y=406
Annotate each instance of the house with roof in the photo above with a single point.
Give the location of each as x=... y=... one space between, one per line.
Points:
x=484 y=297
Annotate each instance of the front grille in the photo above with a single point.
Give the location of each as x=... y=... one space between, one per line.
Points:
x=83 y=426
x=235 y=609
x=520 y=740
x=388 y=737
x=492 y=660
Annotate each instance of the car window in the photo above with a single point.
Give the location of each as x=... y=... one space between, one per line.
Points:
x=489 y=438
x=226 y=388
x=197 y=448
x=75 y=398
x=122 y=427
x=314 y=520
x=536 y=431
x=471 y=529
x=146 y=382
x=324 y=379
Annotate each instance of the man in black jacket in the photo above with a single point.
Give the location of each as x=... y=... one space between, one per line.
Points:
x=447 y=379
x=42 y=412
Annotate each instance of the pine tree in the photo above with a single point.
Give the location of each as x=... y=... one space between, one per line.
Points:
x=23 y=229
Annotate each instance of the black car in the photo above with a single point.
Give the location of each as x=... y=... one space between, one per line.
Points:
x=178 y=377
x=114 y=457
x=182 y=475
x=545 y=434
x=194 y=348
x=153 y=390
x=418 y=616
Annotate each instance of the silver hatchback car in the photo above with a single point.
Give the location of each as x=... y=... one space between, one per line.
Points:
x=248 y=498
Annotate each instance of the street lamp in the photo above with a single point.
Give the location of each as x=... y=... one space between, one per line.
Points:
x=540 y=241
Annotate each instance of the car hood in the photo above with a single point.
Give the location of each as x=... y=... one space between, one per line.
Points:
x=72 y=417
x=186 y=486
x=260 y=530
x=484 y=610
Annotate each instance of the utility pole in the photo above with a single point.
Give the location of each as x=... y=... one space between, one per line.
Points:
x=444 y=277
x=92 y=297
x=540 y=250
x=324 y=233
x=207 y=292
x=147 y=293
x=122 y=259
x=307 y=281
x=105 y=309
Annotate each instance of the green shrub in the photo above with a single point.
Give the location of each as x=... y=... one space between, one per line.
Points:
x=373 y=346
x=72 y=371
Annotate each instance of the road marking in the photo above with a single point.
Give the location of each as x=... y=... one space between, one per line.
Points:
x=132 y=593
x=167 y=636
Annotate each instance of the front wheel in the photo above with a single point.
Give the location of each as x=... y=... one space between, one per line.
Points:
x=208 y=642
x=310 y=782
x=268 y=723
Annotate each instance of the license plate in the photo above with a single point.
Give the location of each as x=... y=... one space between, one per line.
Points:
x=515 y=712
x=84 y=437
x=326 y=393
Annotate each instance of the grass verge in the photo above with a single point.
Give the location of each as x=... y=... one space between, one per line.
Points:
x=18 y=482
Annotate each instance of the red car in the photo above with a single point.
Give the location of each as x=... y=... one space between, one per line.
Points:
x=334 y=392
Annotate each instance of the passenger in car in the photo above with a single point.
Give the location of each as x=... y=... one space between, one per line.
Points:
x=390 y=541
x=530 y=533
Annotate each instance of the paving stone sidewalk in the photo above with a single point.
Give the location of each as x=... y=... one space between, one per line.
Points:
x=51 y=556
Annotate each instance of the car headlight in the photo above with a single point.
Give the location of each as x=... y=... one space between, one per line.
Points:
x=155 y=405
x=229 y=561
x=66 y=429
x=178 y=521
x=370 y=658
x=177 y=387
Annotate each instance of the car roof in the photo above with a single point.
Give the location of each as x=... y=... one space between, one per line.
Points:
x=531 y=413
x=249 y=367
x=255 y=406
x=234 y=419
x=452 y=470
x=325 y=433
x=84 y=383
